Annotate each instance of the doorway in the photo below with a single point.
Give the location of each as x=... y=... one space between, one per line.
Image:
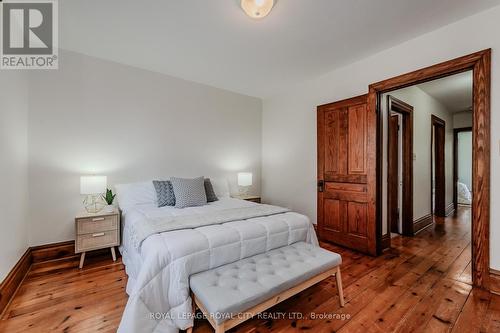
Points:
x=462 y=172
x=400 y=167
x=480 y=65
x=438 y=162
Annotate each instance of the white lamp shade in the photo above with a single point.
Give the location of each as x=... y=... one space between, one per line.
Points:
x=93 y=184
x=245 y=179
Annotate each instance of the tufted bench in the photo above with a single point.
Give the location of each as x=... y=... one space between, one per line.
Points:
x=233 y=293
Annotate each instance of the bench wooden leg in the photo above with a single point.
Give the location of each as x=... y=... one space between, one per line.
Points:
x=339 y=287
x=193 y=305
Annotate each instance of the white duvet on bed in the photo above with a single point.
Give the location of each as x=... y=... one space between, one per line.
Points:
x=159 y=269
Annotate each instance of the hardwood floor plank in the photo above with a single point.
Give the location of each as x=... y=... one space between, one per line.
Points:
x=474 y=312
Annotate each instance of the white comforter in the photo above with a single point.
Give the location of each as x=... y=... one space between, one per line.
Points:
x=159 y=270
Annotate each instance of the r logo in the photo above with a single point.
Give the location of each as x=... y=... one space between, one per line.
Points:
x=27 y=28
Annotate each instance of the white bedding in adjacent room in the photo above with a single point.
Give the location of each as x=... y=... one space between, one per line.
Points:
x=159 y=269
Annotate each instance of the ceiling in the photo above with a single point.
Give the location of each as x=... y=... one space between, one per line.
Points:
x=454 y=92
x=215 y=43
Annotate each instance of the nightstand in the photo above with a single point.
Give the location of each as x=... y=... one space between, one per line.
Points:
x=97 y=231
x=252 y=198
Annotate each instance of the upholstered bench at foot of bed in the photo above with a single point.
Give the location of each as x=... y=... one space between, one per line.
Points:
x=233 y=293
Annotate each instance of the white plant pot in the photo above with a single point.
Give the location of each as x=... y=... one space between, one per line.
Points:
x=109 y=208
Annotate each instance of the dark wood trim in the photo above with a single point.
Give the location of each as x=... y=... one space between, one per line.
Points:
x=480 y=64
x=406 y=110
x=455 y=161
x=53 y=251
x=422 y=223
x=438 y=167
x=450 y=209
x=13 y=280
x=386 y=240
x=495 y=281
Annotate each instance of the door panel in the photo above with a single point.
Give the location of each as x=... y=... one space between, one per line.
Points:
x=357 y=139
x=332 y=209
x=346 y=202
x=356 y=218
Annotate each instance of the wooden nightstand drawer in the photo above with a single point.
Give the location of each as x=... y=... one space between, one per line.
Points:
x=97 y=240
x=96 y=224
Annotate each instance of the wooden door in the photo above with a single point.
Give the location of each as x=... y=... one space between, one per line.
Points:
x=393 y=174
x=347 y=174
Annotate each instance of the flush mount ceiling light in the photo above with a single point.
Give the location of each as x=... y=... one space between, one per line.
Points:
x=257 y=8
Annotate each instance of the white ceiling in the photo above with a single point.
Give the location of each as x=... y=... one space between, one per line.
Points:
x=454 y=92
x=213 y=42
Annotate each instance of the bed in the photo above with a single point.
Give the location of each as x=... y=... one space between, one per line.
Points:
x=159 y=261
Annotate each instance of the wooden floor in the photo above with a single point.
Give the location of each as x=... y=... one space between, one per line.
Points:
x=421 y=285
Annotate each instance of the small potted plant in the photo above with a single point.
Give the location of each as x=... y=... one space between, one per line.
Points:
x=109 y=198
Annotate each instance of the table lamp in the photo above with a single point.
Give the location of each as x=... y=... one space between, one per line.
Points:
x=244 y=181
x=93 y=187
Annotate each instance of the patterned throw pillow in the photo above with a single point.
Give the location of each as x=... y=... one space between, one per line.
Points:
x=164 y=193
x=209 y=190
x=189 y=192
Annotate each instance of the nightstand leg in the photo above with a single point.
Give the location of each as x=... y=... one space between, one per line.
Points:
x=82 y=259
x=113 y=253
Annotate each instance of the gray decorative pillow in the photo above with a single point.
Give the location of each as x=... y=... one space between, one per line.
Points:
x=209 y=190
x=164 y=193
x=189 y=192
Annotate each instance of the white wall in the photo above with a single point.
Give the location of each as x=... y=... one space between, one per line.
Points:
x=424 y=106
x=289 y=120
x=462 y=119
x=97 y=117
x=13 y=168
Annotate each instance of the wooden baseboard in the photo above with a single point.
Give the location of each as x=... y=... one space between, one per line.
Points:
x=38 y=255
x=11 y=283
x=450 y=209
x=495 y=281
x=386 y=241
x=422 y=223
x=53 y=251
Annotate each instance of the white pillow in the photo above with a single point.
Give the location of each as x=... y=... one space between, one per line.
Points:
x=221 y=187
x=135 y=193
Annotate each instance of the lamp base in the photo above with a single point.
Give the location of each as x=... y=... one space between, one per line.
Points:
x=244 y=190
x=93 y=204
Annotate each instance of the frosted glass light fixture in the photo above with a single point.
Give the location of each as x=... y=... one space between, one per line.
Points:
x=93 y=187
x=257 y=8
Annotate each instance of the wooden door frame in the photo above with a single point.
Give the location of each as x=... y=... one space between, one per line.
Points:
x=393 y=172
x=440 y=180
x=406 y=110
x=455 y=162
x=480 y=64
